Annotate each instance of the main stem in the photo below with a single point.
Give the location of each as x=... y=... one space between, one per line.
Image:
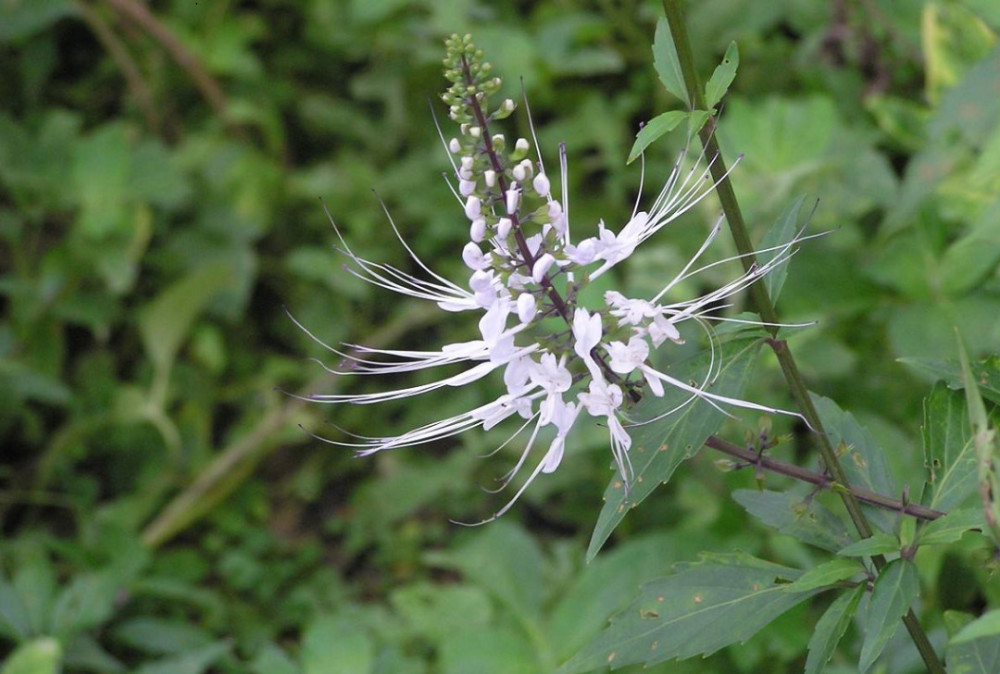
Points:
x=762 y=303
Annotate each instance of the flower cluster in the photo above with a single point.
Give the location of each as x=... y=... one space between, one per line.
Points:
x=525 y=268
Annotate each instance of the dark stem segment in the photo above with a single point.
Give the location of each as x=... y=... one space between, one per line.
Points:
x=756 y=459
x=765 y=308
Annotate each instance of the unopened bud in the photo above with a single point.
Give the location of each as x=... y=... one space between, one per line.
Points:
x=526 y=307
x=541 y=185
x=466 y=187
x=541 y=266
x=513 y=198
x=473 y=207
x=490 y=176
x=503 y=227
x=477 y=231
x=521 y=145
x=454 y=146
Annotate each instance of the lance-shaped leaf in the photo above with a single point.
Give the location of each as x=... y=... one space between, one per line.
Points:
x=826 y=575
x=950 y=528
x=806 y=520
x=781 y=232
x=830 y=628
x=896 y=587
x=666 y=63
x=697 y=611
x=655 y=128
x=949 y=454
x=877 y=544
x=659 y=447
x=723 y=76
x=863 y=461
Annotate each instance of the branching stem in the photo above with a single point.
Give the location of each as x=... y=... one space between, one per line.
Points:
x=765 y=308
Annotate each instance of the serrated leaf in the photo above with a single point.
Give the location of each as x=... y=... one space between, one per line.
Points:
x=808 y=521
x=986 y=373
x=863 y=461
x=697 y=611
x=723 y=76
x=825 y=575
x=87 y=601
x=780 y=233
x=652 y=131
x=950 y=528
x=41 y=656
x=878 y=544
x=167 y=320
x=896 y=587
x=949 y=454
x=830 y=629
x=667 y=65
x=659 y=447
x=161 y=636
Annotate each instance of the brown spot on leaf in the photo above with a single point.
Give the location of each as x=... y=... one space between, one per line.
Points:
x=697 y=599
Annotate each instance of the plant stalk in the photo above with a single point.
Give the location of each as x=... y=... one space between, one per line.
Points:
x=765 y=308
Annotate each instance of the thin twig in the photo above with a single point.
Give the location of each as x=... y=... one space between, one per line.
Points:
x=123 y=59
x=206 y=84
x=821 y=480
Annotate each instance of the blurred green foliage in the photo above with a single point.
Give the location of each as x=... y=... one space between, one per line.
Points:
x=163 y=512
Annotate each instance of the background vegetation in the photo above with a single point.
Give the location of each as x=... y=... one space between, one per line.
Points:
x=160 y=168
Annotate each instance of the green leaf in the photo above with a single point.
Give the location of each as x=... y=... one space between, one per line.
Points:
x=723 y=76
x=806 y=520
x=659 y=447
x=667 y=65
x=336 y=646
x=193 y=662
x=878 y=544
x=986 y=373
x=825 y=575
x=953 y=39
x=15 y=623
x=270 y=659
x=950 y=528
x=41 y=656
x=161 y=636
x=655 y=128
x=986 y=625
x=863 y=461
x=981 y=656
x=697 y=611
x=167 y=320
x=437 y=611
x=976 y=647
x=488 y=650
x=896 y=587
x=86 y=602
x=830 y=629
x=949 y=454
x=505 y=560
x=780 y=233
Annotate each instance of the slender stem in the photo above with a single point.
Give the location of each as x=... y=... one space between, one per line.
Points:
x=762 y=303
x=207 y=85
x=756 y=459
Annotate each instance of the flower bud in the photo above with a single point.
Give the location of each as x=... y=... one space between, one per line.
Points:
x=475 y=131
x=518 y=173
x=541 y=185
x=490 y=176
x=477 y=231
x=521 y=145
x=466 y=187
x=503 y=227
x=526 y=307
x=513 y=198
x=454 y=146
x=473 y=207
x=541 y=266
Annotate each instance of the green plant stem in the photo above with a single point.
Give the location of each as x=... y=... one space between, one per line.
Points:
x=762 y=303
x=756 y=459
